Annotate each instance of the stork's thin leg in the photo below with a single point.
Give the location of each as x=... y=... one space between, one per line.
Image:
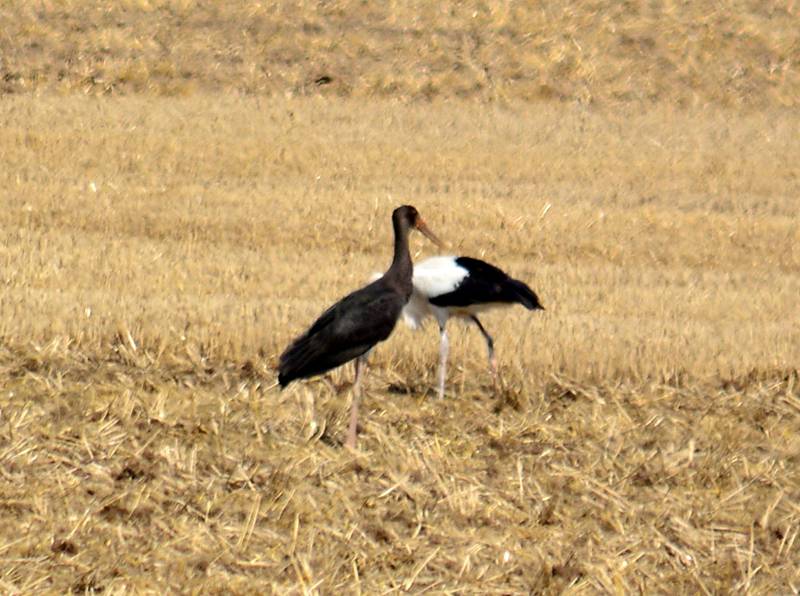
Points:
x=352 y=428
x=444 y=348
x=490 y=349
x=310 y=422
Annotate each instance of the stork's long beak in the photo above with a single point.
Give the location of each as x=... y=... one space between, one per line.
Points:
x=422 y=227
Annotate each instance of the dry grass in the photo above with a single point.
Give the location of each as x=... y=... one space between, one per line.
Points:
x=732 y=52
x=159 y=253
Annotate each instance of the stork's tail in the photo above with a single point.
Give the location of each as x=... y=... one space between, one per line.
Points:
x=298 y=360
x=524 y=295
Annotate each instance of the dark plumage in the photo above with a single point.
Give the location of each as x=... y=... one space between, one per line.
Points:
x=352 y=326
x=347 y=330
x=486 y=284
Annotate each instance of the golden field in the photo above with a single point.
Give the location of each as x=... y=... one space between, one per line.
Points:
x=736 y=53
x=168 y=232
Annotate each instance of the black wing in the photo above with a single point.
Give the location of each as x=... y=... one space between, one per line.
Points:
x=346 y=330
x=485 y=284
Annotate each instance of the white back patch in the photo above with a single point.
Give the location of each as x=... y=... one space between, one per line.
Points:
x=438 y=276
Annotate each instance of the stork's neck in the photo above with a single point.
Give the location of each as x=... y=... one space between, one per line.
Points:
x=401 y=269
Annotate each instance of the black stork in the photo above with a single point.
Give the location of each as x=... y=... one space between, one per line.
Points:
x=447 y=287
x=351 y=327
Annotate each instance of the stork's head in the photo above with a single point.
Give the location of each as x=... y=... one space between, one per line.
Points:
x=409 y=217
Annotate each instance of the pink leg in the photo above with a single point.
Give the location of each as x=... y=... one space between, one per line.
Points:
x=444 y=347
x=352 y=429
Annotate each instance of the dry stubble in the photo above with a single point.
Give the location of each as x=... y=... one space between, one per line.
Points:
x=161 y=252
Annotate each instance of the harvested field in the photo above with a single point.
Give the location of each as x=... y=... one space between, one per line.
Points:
x=161 y=248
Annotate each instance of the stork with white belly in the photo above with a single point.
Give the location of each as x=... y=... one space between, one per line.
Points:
x=448 y=286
